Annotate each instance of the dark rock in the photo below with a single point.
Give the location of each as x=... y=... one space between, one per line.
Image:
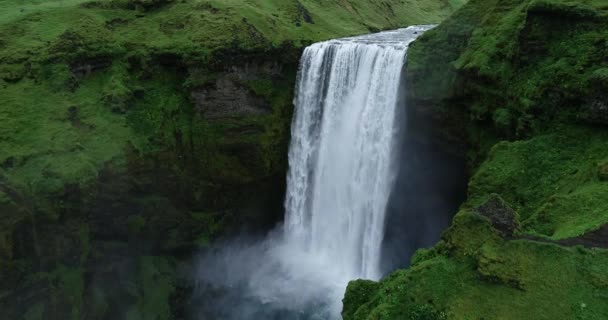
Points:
x=602 y=172
x=73 y=116
x=563 y=11
x=82 y=69
x=229 y=95
x=148 y=4
x=596 y=111
x=302 y=14
x=594 y=239
x=227 y=98
x=8 y=163
x=502 y=217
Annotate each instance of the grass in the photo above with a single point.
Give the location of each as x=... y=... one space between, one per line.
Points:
x=66 y=136
x=518 y=77
x=551 y=180
x=154 y=288
x=199 y=27
x=487 y=277
x=97 y=115
x=45 y=145
x=524 y=72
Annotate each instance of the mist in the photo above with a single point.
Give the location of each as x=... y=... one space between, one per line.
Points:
x=267 y=278
x=430 y=186
x=368 y=184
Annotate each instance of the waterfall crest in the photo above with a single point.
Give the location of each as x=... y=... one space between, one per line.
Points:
x=341 y=166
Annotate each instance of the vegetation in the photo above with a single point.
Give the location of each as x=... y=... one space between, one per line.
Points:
x=134 y=132
x=526 y=80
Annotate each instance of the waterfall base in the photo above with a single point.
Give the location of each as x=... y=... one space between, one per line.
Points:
x=346 y=137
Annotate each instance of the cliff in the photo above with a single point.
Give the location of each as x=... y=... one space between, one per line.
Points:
x=519 y=87
x=134 y=132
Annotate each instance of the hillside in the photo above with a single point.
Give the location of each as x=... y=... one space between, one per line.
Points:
x=134 y=132
x=520 y=85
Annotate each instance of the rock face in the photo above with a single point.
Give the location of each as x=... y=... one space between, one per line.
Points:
x=503 y=218
x=596 y=111
x=230 y=94
x=227 y=99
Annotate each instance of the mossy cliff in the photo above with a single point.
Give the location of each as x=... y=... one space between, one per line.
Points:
x=520 y=86
x=133 y=132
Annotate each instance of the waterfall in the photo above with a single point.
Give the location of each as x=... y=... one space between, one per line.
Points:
x=341 y=172
x=341 y=165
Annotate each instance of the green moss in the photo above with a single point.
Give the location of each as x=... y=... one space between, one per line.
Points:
x=518 y=75
x=36 y=312
x=71 y=283
x=213 y=223
x=600 y=77
x=136 y=223
x=571 y=215
x=97 y=66
x=5 y=199
x=59 y=140
x=195 y=28
x=506 y=280
x=90 y=37
x=85 y=244
x=425 y=312
x=509 y=55
x=550 y=180
x=602 y=171
x=424 y=254
x=567 y=10
x=360 y=291
x=98 y=116
x=503 y=120
x=154 y=287
x=99 y=303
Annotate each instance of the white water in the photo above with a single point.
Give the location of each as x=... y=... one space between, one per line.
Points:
x=341 y=167
x=341 y=171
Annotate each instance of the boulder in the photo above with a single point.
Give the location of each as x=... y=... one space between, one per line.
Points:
x=502 y=217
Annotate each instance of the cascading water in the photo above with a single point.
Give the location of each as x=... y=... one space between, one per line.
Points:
x=341 y=172
x=341 y=155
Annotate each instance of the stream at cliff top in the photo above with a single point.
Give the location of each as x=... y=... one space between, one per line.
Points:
x=344 y=159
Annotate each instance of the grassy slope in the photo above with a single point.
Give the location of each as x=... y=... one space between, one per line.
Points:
x=523 y=74
x=99 y=137
x=38 y=38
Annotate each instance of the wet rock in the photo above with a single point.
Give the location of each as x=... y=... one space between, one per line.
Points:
x=593 y=239
x=230 y=94
x=227 y=98
x=502 y=217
